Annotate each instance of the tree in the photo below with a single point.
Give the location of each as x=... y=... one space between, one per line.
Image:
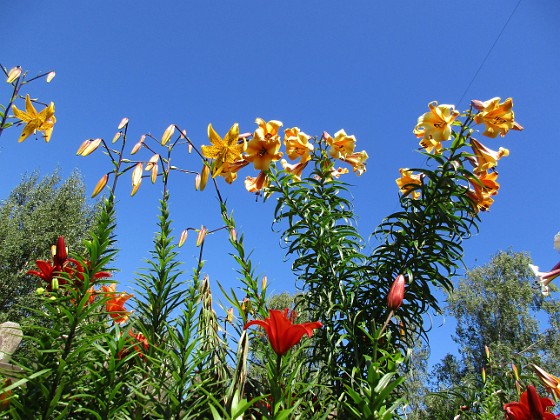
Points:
x=498 y=308
x=35 y=213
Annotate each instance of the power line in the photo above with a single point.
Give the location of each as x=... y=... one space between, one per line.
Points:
x=488 y=53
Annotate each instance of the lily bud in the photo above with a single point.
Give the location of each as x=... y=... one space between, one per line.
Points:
x=82 y=147
x=123 y=122
x=557 y=242
x=13 y=74
x=183 y=237
x=396 y=293
x=116 y=137
x=59 y=252
x=487 y=351
x=201 y=235
x=136 y=178
x=484 y=375
x=100 y=185
x=204 y=177
x=233 y=234
x=54 y=283
x=167 y=134
x=91 y=147
x=263 y=282
x=230 y=315
x=50 y=76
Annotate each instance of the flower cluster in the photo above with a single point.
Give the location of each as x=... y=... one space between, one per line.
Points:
x=435 y=127
x=63 y=270
x=261 y=148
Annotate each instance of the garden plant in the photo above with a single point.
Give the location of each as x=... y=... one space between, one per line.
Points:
x=341 y=351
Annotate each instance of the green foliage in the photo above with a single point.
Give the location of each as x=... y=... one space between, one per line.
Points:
x=32 y=217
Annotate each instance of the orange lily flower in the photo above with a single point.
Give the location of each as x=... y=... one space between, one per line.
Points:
x=497 y=117
x=435 y=126
x=36 y=121
x=297 y=144
x=295 y=169
x=407 y=181
x=256 y=184
x=341 y=145
x=229 y=170
x=357 y=160
x=551 y=382
x=481 y=195
x=264 y=147
x=115 y=305
x=486 y=158
x=282 y=333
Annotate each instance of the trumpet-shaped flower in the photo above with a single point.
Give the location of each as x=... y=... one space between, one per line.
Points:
x=282 y=333
x=223 y=151
x=295 y=169
x=435 y=126
x=36 y=121
x=230 y=170
x=551 y=382
x=408 y=181
x=297 y=144
x=486 y=158
x=481 y=195
x=497 y=117
x=264 y=147
x=115 y=304
x=357 y=160
x=530 y=407
x=257 y=183
x=544 y=278
x=341 y=145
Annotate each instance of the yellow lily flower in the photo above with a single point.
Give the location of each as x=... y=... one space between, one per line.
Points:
x=223 y=151
x=496 y=116
x=297 y=144
x=255 y=184
x=435 y=126
x=264 y=147
x=407 y=181
x=341 y=145
x=35 y=121
x=357 y=160
x=551 y=382
x=486 y=158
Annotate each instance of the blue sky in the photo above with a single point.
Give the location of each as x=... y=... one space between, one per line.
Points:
x=368 y=67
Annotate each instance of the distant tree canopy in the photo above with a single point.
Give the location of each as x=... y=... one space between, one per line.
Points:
x=497 y=305
x=32 y=217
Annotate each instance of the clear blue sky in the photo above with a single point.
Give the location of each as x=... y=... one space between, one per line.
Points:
x=368 y=67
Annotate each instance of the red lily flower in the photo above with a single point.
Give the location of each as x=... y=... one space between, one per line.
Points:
x=282 y=334
x=530 y=407
x=48 y=271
